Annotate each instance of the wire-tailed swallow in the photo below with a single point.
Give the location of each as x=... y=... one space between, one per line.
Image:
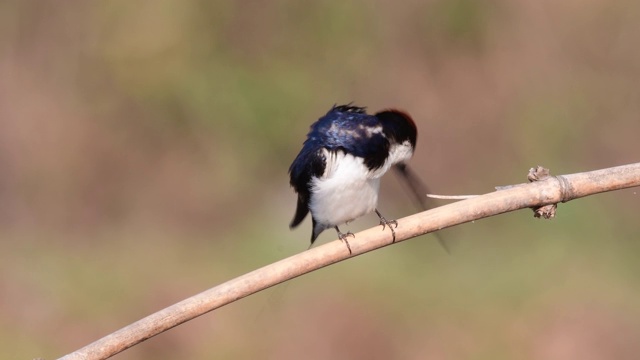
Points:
x=337 y=173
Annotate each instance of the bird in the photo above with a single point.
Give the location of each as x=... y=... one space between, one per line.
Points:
x=338 y=171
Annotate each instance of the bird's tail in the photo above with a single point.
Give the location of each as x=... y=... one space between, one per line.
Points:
x=419 y=192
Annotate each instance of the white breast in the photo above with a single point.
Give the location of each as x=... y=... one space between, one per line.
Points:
x=346 y=191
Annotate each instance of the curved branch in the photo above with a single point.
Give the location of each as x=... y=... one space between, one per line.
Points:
x=551 y=190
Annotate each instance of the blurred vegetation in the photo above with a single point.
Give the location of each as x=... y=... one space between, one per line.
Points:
x=144 y=149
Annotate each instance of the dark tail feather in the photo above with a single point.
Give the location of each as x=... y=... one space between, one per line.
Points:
x=419 y=192
x=301 y=212
x=314 y=231
x=416 y=186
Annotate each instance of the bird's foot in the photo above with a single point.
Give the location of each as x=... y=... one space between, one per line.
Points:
x=343 y=238
x=384 y=222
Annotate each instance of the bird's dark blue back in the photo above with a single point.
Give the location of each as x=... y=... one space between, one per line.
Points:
x=344 y=128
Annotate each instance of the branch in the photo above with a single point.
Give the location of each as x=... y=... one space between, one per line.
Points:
x=538 y=194
x=451 y=197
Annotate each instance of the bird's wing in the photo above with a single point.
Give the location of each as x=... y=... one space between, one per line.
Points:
x=358 y=134
x=310 y=162
x=419 y=192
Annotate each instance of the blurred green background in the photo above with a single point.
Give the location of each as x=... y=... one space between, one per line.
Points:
x=144 y=149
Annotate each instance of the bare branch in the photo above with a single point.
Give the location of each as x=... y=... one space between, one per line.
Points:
x=451 y=197
x=547 y=191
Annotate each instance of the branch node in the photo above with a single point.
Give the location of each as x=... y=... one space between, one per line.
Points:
x=565 y=188
x=540 y=173
x=546 y=212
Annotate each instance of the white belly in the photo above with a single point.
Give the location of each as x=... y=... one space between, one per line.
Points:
x=345 y=192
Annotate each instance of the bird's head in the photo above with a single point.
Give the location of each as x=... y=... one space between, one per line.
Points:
x=401 y=132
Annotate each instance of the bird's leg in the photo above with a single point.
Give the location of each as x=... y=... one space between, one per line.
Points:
x=343 y=237
x=384 y=222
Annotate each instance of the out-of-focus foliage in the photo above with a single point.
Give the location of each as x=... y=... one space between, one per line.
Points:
x=144 y=149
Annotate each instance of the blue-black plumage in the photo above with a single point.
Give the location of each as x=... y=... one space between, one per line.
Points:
x=337 y=173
